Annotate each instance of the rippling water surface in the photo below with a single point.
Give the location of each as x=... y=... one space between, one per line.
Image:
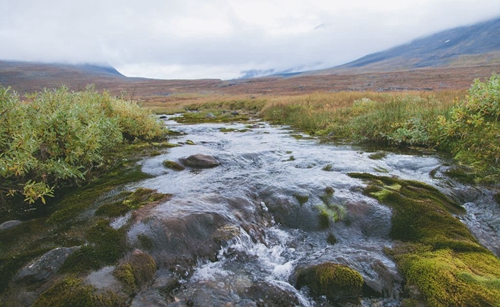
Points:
x=269 y=189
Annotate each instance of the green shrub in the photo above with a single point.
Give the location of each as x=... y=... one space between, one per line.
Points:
x=472 y=131
x=59 y=138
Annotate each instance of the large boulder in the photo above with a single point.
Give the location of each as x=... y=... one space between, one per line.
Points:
x=201 y=161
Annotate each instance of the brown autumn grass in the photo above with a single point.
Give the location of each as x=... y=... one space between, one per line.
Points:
x=320 y=102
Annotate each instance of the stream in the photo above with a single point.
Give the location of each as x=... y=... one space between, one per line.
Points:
x=236 y=234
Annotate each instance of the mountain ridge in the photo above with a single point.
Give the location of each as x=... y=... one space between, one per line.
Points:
x=450 y=59
x=477 y=44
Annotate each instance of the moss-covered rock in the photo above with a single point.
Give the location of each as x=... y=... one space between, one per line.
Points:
x=377 y=155
x=136 y=271
x=80 y=200
x=441 y=260
x=331 y=239
x=127 y=201
x=301 y=198
x=73 y=292
x=335 y=281
x=173 y=165
x=105 y=246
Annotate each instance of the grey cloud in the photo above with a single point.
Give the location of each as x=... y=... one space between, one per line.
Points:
x=209 y=37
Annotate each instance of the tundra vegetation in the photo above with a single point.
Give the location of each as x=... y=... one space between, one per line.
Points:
x=57 y=138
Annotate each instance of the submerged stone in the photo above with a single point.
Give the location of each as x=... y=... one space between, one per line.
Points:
x=46 y=266
x=9 y=224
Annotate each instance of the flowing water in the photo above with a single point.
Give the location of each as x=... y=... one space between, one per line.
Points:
x=236 y=234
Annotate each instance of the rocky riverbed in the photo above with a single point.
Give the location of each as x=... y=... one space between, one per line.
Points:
x=254 y=215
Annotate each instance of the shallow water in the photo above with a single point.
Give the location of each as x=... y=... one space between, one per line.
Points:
x=270 y=187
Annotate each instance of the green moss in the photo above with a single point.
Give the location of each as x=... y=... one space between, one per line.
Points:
x=410 y=303
x=105 y=246
x=323 y=219
x=78 y=201
x=328 y=214
x=437 y=254
x=173 y=165
x=189 y=142
x=124 y=273
x=327 y=168
x=461 y=174
x=377 y=156
x=338 y=276
x=302 y=199
x=136 y=271
x=143 y=196
x=127 y=201
x=73 y=292
x=335 y=281
x=329 y=191
x=445 y=279
x=379 y=169
x=227 y=130
x=145 y=242
x=154 y=153
x=114 y=209
x=380 y=195
x=165 y=144
x=331 y=239
x=211 y=116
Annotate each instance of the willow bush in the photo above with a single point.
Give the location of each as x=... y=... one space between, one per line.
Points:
x=58 y=138
x=472 y=130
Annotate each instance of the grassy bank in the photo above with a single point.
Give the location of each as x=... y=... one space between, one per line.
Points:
x=462 y=123
x=465 y=124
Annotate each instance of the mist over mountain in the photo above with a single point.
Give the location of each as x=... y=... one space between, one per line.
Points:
x=477 y=44
x=448 y=59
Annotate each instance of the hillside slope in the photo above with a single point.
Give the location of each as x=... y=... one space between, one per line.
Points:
x=473 y=45
x=35 y=76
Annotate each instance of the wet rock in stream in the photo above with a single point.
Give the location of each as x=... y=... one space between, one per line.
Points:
x=177 y=235
x=262 y=230
x=337 y=282
x=44 y=267
x=201 y=161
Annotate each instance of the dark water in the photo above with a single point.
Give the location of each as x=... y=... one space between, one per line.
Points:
x=266 y=197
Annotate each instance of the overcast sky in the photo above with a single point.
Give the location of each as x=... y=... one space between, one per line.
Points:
x=193 y=39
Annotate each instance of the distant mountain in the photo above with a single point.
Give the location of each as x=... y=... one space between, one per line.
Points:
x=36 y=76
x=473 y=45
